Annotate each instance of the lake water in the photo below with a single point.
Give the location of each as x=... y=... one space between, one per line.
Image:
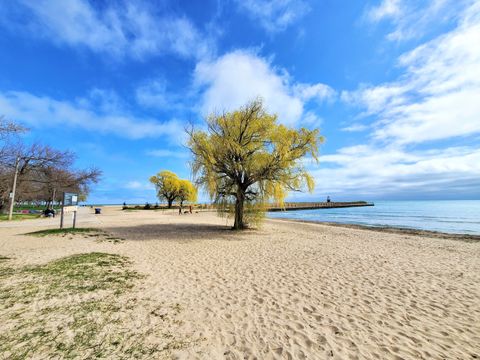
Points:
x=452 y=216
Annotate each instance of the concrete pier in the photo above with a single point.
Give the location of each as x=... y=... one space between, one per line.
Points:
x=318 y=205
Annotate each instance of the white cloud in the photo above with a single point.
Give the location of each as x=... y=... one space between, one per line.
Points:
x=437 y=96
x=45 y=112
x=124 y=29
x=411 y=18
x=235 y=78
x=375 y=99
x=319 y=92
x=139 y=185
x=163 y=153
x=103 y=100
x=355 y=128
x=388 y=171
x=386 y=9
x=275 y=15
x=311 y=119
x=154 y=94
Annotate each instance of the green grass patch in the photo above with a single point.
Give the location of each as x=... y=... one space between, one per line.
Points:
x=4 y=217
x=32 y=207
x=82 y=306
x=85 y=273
x=64 y=231
x=71 y=275
x=98 y=234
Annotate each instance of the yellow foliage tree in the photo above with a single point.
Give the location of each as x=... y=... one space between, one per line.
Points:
x=187 y=192
x=170 y=188
x=246 y=159
x=167 y=185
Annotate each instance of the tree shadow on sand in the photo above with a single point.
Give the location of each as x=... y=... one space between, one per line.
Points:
x=178 y=232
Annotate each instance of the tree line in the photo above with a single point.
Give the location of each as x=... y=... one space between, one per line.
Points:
x=43 y=173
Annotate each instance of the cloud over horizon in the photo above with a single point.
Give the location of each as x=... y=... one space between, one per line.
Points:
x=434 y=99
x=393 y=172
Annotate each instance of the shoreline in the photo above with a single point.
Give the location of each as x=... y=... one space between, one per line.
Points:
x=391 y=230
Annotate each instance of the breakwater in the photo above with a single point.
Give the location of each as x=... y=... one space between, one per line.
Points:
x=317 y=205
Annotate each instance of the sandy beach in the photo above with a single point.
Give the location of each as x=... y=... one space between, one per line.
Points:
x=288 y=290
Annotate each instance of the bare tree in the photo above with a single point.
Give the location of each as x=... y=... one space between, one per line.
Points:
x=50 y=182
x=37 y=172
x=9 y=127
x=9 y=132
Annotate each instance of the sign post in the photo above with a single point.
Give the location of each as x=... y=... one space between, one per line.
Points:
x=74 y=218
x=61 y=217
x=14 y=188
x=69 y=204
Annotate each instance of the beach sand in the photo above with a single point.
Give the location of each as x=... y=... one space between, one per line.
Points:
x=288 y=290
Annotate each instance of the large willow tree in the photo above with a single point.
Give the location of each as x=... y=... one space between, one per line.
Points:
x=245 y=158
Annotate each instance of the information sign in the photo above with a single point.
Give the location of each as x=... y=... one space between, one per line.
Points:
x=70 y=199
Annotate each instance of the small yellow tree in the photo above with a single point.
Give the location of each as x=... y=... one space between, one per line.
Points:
x=246 y=158
x=167 y=185
x=187 y=192
x=171 y=188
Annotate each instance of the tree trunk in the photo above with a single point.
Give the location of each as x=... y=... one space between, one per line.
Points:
x=170 y=202
x=239 y=203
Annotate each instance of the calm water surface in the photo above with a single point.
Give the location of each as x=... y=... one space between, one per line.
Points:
x=452 y=216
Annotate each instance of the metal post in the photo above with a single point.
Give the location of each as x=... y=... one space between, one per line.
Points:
x=63 y=212
x=74 y=218
x=53 y=197
x=14 y=188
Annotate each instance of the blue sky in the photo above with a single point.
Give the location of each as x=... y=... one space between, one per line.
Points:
x=394 y=86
